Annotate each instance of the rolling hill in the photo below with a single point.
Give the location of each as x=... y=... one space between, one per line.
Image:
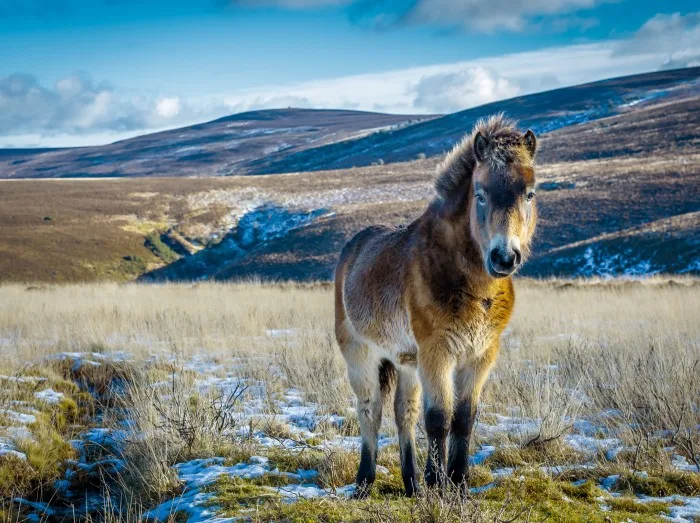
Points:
x=619 y=194
x=298 y=140
x=627 y=202
x=542 y=112
x=222 y=147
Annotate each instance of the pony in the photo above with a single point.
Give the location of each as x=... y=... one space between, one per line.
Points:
x=422 y=307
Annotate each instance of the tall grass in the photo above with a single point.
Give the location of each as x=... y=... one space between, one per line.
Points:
x=623 y=355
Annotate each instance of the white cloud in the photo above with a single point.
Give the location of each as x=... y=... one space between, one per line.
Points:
x=450 y=91
x=514 y=15
x=77 y=110
x=675 y=35
x=290 y=4
x=454 y=86
x=75 y=105
x=168 y=107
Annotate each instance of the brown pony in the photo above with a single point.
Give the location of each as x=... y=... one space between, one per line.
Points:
x=435 y=296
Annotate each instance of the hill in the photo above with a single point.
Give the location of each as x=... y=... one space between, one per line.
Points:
x=229 y=145
x=617 y=195
x=542 y=112
x=296 y=140
x=633 y=210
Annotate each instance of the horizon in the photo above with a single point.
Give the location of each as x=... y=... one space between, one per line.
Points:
x=336 y=109
x=96 y=73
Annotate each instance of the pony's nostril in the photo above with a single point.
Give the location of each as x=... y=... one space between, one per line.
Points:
x=502 y=261
x=518 y=256
x=508 y=261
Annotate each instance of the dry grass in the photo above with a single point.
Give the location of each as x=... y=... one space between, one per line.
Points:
x=574 y=351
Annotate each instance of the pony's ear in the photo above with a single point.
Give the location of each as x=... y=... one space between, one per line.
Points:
x=480 y=145
x=530 y=142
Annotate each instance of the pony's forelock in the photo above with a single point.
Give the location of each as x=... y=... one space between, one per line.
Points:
x=505 y=144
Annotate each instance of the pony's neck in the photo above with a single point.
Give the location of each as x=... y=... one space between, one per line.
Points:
x=448 y=250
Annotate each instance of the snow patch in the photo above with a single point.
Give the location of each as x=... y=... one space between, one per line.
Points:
x=49 y=396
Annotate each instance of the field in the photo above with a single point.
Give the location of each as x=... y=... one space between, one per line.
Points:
x=184 y=402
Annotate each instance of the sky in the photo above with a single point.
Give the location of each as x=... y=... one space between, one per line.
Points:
x=88 y=72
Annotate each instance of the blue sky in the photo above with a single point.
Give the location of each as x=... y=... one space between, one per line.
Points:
x=74 y=72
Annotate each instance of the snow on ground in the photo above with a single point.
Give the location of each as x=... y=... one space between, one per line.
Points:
x=200 y=473
x=7 y=447
x=683 y=509
x=23 y=379
x=688 y=512
x=302 y=419
x=19 y=417
x=49 y=396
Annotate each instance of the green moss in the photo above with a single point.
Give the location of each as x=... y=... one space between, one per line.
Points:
x=47 y=452
x=335 y=468
x=633 y=506
x=551 y=453
x=271 y=480
x=557 y=500
x=68 y=409
x=238 y=499
x=233 y=494
x=686 y=483
x=312 y=511
x=535 y=497
x=665 y=484
x=587 y=491
x=390 y=484
x=17 y=477
x=46 y=455
x=64 y=386
x=155 y=244
x=479 y=476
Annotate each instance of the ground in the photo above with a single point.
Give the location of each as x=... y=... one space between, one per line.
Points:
x=214 y=401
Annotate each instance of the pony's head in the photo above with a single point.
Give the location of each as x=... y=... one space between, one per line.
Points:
x=491 y=176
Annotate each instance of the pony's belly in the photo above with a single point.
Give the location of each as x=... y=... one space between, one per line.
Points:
x=392 y=337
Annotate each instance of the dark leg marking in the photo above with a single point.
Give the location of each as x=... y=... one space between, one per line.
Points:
x=437 y=427
x=367 y=472
x=460 y=436
x=408 y=470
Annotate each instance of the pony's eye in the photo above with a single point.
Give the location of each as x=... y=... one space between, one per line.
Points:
x=481 y=199
x=530 y=196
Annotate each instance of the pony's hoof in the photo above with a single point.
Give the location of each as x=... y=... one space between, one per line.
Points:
x=362 y=491
x=411 y=493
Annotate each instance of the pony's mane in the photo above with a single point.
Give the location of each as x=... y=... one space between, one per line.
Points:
x=505 y=144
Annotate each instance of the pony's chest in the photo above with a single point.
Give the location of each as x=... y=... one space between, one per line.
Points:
x=472 y=330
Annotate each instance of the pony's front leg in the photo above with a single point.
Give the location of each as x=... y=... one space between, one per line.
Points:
x=435 y=368
x=470 y=377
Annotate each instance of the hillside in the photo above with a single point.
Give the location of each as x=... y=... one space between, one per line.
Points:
x=542 y=112
x=296 y=140
x=229 y=145
x=617 y=195
x=634 y=211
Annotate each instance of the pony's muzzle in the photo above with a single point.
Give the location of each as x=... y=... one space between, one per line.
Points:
x=504 y=259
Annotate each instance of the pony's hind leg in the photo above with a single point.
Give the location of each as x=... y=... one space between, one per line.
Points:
x=364 y=374
x=406 y=410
